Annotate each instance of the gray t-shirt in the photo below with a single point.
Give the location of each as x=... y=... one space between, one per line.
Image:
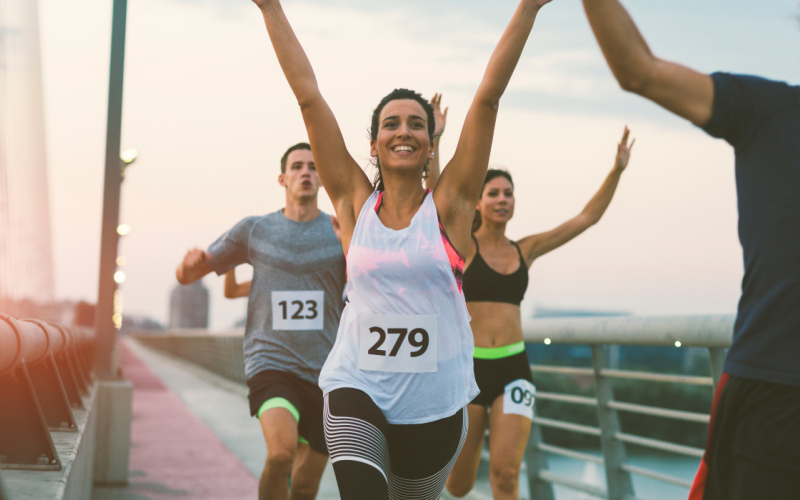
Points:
x=296 y=295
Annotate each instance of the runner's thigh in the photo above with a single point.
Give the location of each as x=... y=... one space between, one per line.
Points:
x=422 y=456
x=508 y=437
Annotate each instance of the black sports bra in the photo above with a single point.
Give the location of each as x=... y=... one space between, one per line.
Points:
x=484 y=284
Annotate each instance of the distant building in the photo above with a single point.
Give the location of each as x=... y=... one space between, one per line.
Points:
x=26 y=255
x=189 y=306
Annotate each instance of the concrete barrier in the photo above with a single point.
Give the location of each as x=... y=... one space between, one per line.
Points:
x=76 y=451
x=113 y=434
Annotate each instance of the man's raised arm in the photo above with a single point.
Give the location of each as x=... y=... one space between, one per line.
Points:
x=679 y=89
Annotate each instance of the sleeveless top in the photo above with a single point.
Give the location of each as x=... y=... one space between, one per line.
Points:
x=404 y=337
x=484 y=284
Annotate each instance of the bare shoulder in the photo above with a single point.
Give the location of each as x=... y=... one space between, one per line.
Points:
x=527 y=246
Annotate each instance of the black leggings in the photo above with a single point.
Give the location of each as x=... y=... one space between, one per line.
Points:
x=376 y=460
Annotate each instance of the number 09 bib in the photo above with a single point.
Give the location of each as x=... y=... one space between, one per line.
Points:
x=298 y=310
x=519 y=397
x=397 y=342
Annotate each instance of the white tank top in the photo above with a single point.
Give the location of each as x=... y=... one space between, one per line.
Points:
x=404 y=336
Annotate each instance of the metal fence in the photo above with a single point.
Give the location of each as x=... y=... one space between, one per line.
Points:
x=711 y=332
x=222 y=354
x=46 y=370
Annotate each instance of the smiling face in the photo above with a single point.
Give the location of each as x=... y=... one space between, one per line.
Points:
x=497 y=201
x=403 y=143
x=301 y=179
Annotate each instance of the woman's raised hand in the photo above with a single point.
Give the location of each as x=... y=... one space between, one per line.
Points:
x=538 y=3
x=439 y=117
x=623 y=151
x=261 y=3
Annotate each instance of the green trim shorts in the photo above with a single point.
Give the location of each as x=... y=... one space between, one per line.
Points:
x=497 y=367
x=276 y=389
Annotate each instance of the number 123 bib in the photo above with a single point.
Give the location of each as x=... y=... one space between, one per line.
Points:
x=298 y=310
x=403 y=343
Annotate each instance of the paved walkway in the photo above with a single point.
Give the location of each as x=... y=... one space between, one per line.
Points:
x=193 y=437
x=174 y=454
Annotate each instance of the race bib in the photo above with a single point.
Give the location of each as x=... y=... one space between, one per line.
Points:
x=397 y=342
x=518 y=398
x=298 y=310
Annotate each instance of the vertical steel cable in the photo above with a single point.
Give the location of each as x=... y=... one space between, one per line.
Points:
x=26 y=258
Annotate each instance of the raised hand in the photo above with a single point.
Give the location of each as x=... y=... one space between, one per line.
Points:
x=623 y=151
x=541 y=3
x=261 y=3
x=440 y=118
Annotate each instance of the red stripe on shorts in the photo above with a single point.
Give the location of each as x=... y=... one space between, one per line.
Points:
x=699 y=485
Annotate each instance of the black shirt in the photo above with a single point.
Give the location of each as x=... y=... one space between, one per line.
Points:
x=761 y=119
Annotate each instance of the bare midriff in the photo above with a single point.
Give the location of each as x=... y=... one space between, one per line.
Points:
x=495 y=324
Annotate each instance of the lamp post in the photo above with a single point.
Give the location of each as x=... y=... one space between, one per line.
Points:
x=105 y=363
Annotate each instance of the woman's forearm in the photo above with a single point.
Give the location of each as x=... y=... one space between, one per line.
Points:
x=597 y=206
x=291 y=56
x=507 y=53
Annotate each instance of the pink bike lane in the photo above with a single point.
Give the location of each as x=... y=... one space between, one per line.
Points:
x=173 y=453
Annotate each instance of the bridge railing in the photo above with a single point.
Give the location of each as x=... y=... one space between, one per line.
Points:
x=710 y=332
x=222 y=354
x=45 y=371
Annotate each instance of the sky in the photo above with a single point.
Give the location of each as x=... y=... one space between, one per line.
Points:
x=206 y=105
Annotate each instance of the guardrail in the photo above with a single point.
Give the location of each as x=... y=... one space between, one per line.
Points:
x=45 y=369
x=711 y=332
x=222 y=354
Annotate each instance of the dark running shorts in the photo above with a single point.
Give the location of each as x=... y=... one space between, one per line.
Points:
x=304 y=396
x=753 y=448
x=493 y=375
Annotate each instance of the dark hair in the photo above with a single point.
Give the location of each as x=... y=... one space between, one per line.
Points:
x=394 y=95
x=492 y=173
x=297 y=147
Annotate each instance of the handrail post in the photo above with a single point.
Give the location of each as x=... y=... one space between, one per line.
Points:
x=619 y=480
x=716 y=357
x=536 y=461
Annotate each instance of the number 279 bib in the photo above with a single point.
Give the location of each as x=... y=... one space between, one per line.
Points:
x=397 y=342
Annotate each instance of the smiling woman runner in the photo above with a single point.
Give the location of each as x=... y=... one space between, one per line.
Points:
x=400 y=374
x=495 y=280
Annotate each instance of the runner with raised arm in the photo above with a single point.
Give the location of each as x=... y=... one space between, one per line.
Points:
x=293 y=310
x=495 y=280
x=753 y=448
x=400 y=375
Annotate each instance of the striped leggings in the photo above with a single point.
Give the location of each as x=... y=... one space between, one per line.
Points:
x=376 y=460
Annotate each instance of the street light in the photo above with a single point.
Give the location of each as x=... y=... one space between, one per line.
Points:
x=126 y=159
